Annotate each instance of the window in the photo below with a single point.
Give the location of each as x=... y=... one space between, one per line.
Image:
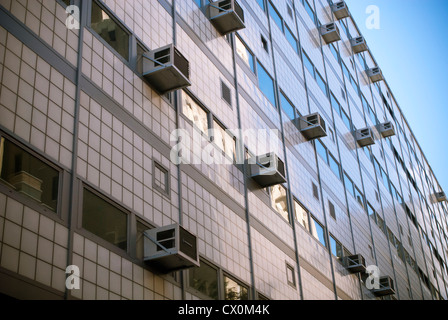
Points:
x=309 y=10
x=275 y=16
x=346 y=119
x=332 y=210
x=308 y=64
x=318 y=231
x=261 y=4
x=290 y=275
x=224 y=140
x=266 y=83
x=204 y=279
x=161 y=178
x=244 y=53
x=234 y=290
x=287 y=107
x=336 y=247
x=278 y=200
x=27 y=174
x=321 y=83
x=140 y=240
x=321 y=150
x=334 y=51
x=198 y=2
x=264 y=44
x=109 y=30
x=104 y=219
x=195 y=113
x=301 y=215
x=359 y=197
x=334 y=166
x=348 y=184
x=291 y=39
x=140 y=51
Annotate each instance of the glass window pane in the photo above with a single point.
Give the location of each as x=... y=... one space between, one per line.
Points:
x=318 y=231
x=308 y=64
x=287 y=107
x=109 y=30
x=195 y=113
x=261 y=4
x=139 y=247
x=309 y=10
x=275 y=16
x=301 y=215
x=234 y=290
x=224 y=140
x=244 y=53
x=321 y=150
x=27 y=174
x=105 y=220
x=334 y=51
x=291 y=39
x=336 y=248
x=204 y=279
x=278 y=200
x=266 y=84
x=346 y=119
x=334 y=166
x=348 y=184
x=321 y=83
x=359 y=197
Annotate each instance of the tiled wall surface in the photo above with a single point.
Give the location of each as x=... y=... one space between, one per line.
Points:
x=103 y=126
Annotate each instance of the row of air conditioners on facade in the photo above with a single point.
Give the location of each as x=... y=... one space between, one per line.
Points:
x=330 y=33
x=166 y=69
x=357 y=264
x=365 y=137
x=171 y=248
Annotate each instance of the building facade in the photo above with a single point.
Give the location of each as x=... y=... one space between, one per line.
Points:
x=336 y=201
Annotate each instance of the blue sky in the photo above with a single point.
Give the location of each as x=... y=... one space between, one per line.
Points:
x=411 y=49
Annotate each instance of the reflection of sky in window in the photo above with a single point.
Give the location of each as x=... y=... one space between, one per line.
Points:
x=266 y=84
x=317 y=231
x=287 y=107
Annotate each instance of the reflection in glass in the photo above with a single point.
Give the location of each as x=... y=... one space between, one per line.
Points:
x=110 y=31
x=204 y=279
x=224 y=140
x=244 y=53
x=301 y=215
x=278 y=200
x=105 y=220
x=27 y=174
x=195 y=113
x=234 y=290
x=317 y=231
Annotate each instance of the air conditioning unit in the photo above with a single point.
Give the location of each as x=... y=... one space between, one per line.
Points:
x=386 y=287
x=170 y=248
x=166 y=69
x=226 y=15
x=312 y=126
x=440 y=196
x=340 y=10
x=387 y=129
x=365 y=137
x=375 y=74
x=330 y=33
x=267 y=170
x=358 y=44
x=355 y=263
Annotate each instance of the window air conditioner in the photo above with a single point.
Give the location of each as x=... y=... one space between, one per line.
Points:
x=312 y=126
x=226 y=15
x=267 y=170
x=365 y=137
x=330 y=33
x=440 y=196
x=340 y=10
x=387 y=129
x=375 y=74
x=386 y=287
x=358 y=44
x=166 y=69
x=355 y=263
x=170 y=248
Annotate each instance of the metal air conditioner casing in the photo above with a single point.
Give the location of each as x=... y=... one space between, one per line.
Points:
x=226 y=16
x=170 y=248
x=387 y=129
x=166 y=69
x=355 y=263
x=330 y=32
x=375 y=74
x=365 y=137
x=386 y=287
x=268 y=170
x=440 y=196
x=358 y=44
x=340 y=10
x=312 y=126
